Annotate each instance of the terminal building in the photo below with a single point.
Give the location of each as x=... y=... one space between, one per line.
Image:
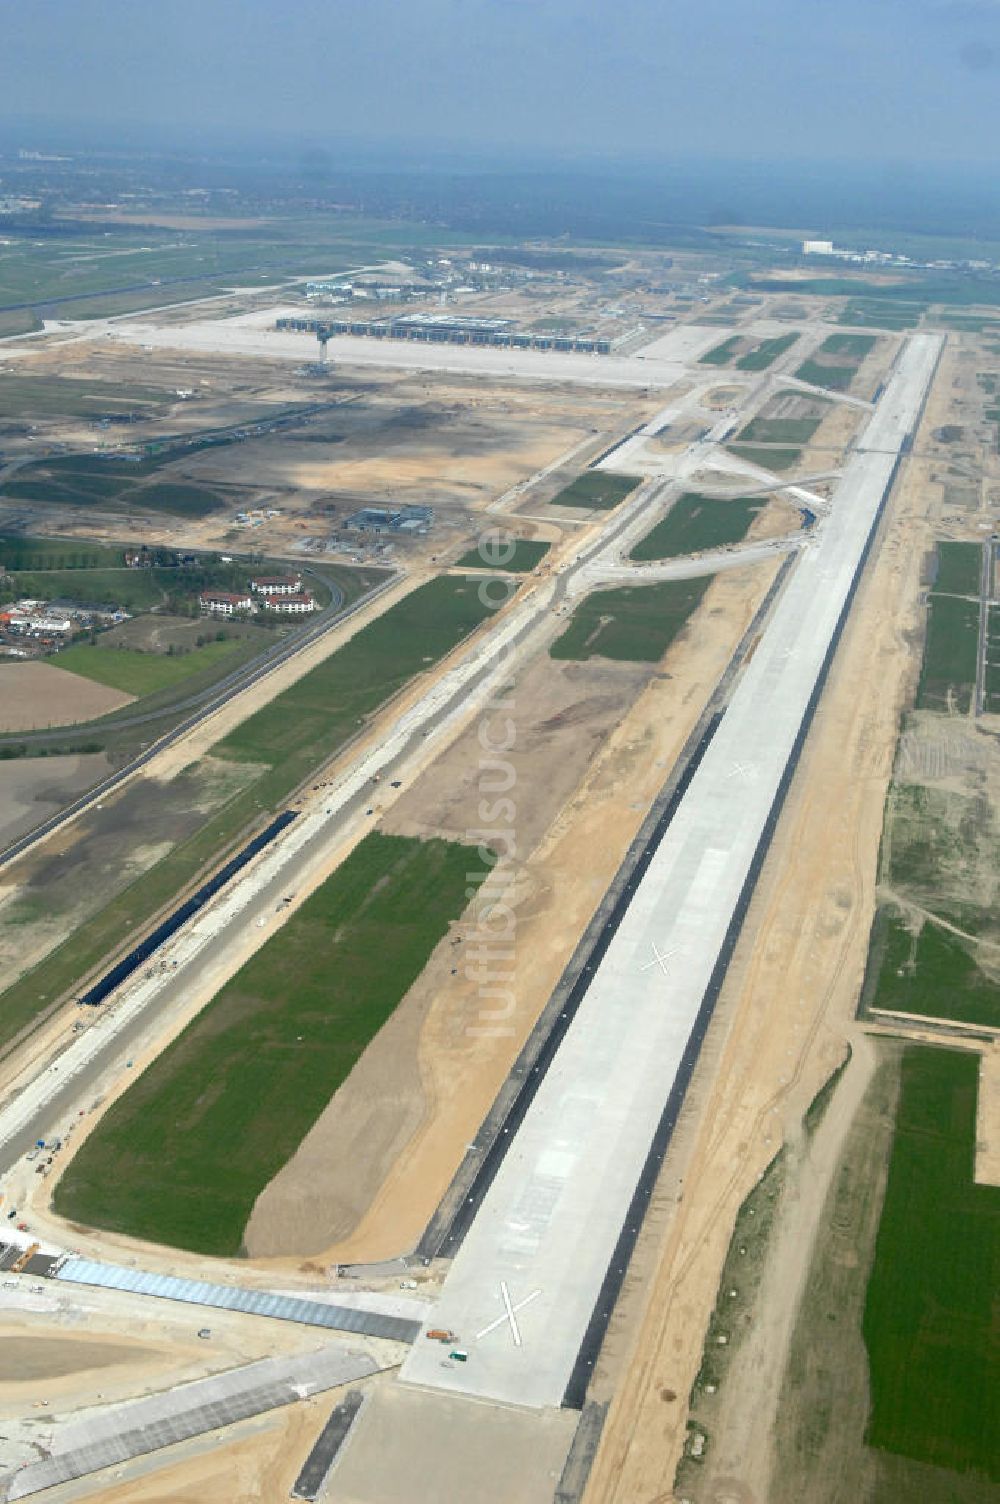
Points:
x=449 y=329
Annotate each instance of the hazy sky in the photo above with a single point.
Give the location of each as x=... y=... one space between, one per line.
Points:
x=780 y=78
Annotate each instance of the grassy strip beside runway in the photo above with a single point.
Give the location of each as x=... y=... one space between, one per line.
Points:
x=697 y=522
x=290 y=737
x=183 y=1156
x=633 y=623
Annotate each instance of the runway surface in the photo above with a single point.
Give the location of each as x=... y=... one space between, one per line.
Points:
x=522 y=1290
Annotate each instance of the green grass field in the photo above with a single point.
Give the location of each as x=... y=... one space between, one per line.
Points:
x=948 y=671
x=696 y=522
x=183 y=1155
x=779 y=430
x=933 y=973
x=959 y=568
x=326 y=705
x=131 y=589
x=834 y=378
x=766 y=352
x=287 y=739
x=597 y=489
x=635 y=624
x=721 y=355
x=929 y=1320
x=854 y=346
x=769 y=459
x=57 y=553
x=519 y=555
x=53 y=396
x=88 y=480
x=136 y=673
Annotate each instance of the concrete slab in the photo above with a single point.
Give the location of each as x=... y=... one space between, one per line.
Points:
x=409 y=1447
x=523 y=1286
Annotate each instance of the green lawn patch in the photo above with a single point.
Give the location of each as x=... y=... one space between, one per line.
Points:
x=770 y=459
x=929 y=1320
x=948 y=671
x=779 y=430
x=90 y=480
x=696 y=522
x=598 y=489
x=721 y=355
x=57 y=553
x=834 y=378
x=183 y=1155
x=766 y=352
x=932 y=972
x=137 y=673
x=959 y=568
x=503 y=551
x=855 y=346
x=636 y=623
x=131 y=589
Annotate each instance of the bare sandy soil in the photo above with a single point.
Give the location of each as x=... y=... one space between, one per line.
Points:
x=468 y=1451
x=560 y=713
x=988 y=1118
x=446 y=1070
x=40 y=694
x=783 y=1021
x=36 y=787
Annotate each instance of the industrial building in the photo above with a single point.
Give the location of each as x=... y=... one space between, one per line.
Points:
x=448 y=329
x=408 y=519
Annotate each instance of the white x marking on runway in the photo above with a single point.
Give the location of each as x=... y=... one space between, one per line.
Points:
x=740 y=770
x=509 y=1314
x=660 y=959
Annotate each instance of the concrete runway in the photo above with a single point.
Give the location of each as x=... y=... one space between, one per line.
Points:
x=523 y=1287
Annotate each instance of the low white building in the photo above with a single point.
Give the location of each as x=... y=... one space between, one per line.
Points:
x=284 y=584
x=224 y=603
x=294 y=605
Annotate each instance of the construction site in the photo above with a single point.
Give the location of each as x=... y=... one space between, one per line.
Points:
x=405 y=1054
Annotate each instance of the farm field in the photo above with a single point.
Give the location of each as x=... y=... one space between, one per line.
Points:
x=948 y=671
x=958 y=569
x=282 y=744
x=634 y=623
x=837 y=360
x=928 y=1320
x=776 y=458
x=597 y=489
x=932 y=972
x=696 y=522
x=519 y=555
x=117 y=484
x=35 y=694
x=183 y=1156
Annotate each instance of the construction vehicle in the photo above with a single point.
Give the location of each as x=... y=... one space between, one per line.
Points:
x=440 y=1334
x=29 y=1253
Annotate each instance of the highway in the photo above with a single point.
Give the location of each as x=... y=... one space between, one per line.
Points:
x=537 y=1270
